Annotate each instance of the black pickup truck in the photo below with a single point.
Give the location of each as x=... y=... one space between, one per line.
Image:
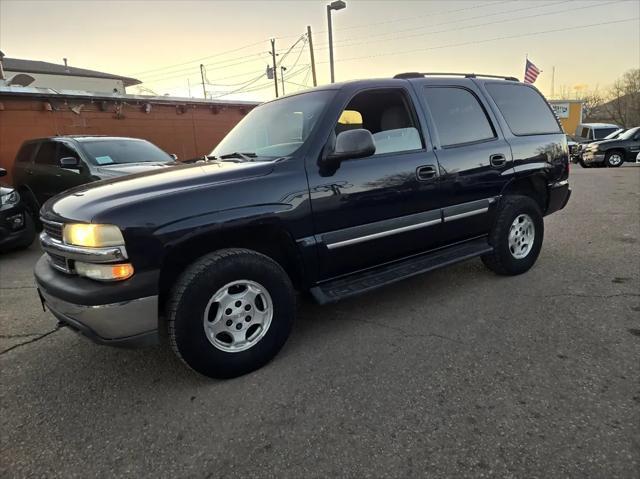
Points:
x=334 y=191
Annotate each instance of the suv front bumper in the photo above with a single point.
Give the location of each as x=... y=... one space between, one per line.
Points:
x=590 y=157
x=117 y=314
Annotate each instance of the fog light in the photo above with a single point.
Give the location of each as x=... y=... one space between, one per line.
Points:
x=105 y=272
x=16 y=221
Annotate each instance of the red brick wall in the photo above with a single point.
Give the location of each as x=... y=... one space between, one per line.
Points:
x=188 y=130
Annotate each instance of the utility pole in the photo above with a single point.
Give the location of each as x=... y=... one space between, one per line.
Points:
x=335 y=5
x=275 y=69
x=189 y=87
x=553 y=80
x=313 y=61
x=204 y=90
x=282 y=70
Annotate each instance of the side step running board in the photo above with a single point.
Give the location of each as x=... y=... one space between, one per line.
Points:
x=370 y=279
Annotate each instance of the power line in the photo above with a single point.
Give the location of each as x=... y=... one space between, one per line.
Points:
x=197 y=60
x=192 y=70
x=475 y=42
x=192 y=66
x=447 y=30
x=347 y=43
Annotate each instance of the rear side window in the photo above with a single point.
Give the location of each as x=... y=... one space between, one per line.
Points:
x=458 y=116
x=26 y=152
x=524 y=109
x=46 y=154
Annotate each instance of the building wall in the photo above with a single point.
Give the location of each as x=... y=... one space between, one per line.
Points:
x=573 y=114
x=64 y=82
x=187 y=130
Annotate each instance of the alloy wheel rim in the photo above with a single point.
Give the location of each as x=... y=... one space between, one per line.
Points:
x=615 y=159
x=238 y=316
x=522 y=234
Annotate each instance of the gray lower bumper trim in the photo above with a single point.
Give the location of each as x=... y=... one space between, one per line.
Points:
x=109 y=321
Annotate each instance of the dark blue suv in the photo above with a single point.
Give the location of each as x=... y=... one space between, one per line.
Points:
x=336 y=191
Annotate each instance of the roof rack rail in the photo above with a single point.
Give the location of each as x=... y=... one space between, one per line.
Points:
x=466 y=75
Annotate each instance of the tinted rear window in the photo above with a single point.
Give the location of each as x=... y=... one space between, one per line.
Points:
x=26 y=152
x=458 y=116
x=47 y=154
x=524 y=109
x=109 y=152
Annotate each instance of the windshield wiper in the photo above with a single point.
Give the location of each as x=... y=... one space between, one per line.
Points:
x=237 y=154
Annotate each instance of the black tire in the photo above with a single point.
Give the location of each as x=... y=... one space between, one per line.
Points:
x=613 y=155
x=196 y=286
x=501 y=260
x=583 y=163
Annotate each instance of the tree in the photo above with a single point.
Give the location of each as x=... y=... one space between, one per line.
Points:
x=591 y=102
x=624 y=99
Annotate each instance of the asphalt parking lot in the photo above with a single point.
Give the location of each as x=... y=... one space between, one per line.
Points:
x=456 y=373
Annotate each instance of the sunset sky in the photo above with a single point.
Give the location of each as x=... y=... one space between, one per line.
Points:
x=590 y=43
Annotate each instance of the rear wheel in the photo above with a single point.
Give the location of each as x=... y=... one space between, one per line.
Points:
x=516 y=236
x=230 y=312
x=614 y=159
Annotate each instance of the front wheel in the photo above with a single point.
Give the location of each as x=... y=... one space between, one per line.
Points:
x=516 y=236
x=230 y=312
x=614 y=159
x=583 y=163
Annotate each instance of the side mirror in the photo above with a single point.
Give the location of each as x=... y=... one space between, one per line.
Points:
x=353 y=144
x=70 y=163
x=174 y=156
x=3 y=172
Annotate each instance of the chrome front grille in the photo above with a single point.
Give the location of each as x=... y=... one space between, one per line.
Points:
x=52 y=228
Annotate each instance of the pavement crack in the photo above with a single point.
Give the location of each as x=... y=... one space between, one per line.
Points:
x=17 y=287
x=9 y=336
x=37 y=338
x=584 y=295
x=405 y=333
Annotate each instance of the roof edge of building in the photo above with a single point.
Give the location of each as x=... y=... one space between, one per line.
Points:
x=50 y=93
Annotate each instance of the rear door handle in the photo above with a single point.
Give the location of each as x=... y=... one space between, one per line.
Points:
x=426 y=173
x=497 y=159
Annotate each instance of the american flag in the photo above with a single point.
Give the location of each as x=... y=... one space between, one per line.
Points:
x=531 y=72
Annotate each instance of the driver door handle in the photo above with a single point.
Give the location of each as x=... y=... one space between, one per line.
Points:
x=426 y=173
x=497 y=159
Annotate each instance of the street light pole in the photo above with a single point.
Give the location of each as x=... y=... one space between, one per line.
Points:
x=336 y=5
x=282 y=70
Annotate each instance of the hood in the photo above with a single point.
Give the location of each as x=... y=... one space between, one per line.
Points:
x=84 y=202
x=115 y=170
x=605 y=143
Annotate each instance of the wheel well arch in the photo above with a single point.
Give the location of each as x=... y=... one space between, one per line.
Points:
x=272 y=240
x=534 y=186
x=30 y=199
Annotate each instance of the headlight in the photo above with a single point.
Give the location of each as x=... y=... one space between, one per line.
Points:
x=104 y=272
x=91 y=235
x=9 y=200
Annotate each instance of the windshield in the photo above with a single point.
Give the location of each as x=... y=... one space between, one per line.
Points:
x=116 y=152
x=600 y=133
x=277 y=128
x=627 y=135
x=613 y=135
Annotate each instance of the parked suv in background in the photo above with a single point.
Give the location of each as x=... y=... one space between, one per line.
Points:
x=45 y=167
x=17 y=228
x=337 y=191
x=613 y=152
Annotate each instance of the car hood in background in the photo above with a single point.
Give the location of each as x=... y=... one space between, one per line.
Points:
x=84 y=202
x=116 y=170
